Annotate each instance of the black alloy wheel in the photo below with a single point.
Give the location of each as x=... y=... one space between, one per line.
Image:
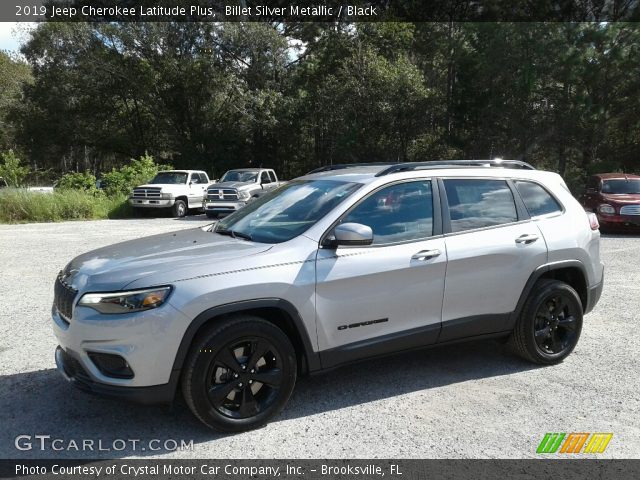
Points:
x=245 y=377
x=550 y=323
x=556 y=325
x=240 y=372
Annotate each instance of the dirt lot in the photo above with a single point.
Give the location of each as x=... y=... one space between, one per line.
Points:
x=471 y=400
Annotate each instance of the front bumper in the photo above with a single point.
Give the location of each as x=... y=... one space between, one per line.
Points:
x=619 y=222
x=151 y=203
x=223 y=207
x=148 y=341
x=72 y=370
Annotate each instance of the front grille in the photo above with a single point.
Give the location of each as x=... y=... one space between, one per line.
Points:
x=63 y=297
x=222 y=194
x=146 y=193
x=630 y=210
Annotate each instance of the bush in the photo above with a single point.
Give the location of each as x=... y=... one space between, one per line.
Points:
x=19 y=206
x=11 y=170
x=78 y=181
x=138 y=172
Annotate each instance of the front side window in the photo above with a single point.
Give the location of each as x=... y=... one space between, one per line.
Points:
x=479 y=203
x=264 y=178
x=170 y=178
x=398 y=213
x=537 y=200
x=286 y=212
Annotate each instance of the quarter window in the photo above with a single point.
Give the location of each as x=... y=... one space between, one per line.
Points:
x=479 y=203
x=398 y=213
x=537 y=200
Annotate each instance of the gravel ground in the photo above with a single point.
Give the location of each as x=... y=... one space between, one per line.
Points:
x=465 y=401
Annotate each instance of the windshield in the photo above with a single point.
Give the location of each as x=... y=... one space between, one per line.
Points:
x=618 y=187
x=239 y=176
x=169 y=178
x=286 y=212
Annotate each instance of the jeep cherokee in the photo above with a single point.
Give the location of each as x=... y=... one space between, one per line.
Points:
x=346 y=263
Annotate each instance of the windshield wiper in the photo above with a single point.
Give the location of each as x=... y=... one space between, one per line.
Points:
x=234 y=234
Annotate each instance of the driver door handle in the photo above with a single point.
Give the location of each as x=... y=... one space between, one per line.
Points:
x=426 y=254
x=527 y=238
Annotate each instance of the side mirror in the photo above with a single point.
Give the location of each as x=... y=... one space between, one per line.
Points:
x=353 y=234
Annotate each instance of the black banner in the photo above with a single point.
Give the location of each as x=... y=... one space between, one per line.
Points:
x=320 y=10
x=202 y=469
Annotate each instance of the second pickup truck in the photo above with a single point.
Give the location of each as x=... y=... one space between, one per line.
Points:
x=238 y=187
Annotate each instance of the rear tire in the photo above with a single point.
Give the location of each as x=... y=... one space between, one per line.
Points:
x=240 y=373
x=179 y=209
x=550 y=324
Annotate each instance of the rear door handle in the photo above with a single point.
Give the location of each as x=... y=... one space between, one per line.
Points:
x=426 y=254
x=527 y=238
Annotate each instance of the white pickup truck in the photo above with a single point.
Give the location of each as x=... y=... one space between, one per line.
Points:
x=238 y=187
x=178 y=190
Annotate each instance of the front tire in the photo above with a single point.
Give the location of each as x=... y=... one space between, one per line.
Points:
x=240 y=373
x=550 y=324
x=179 y=209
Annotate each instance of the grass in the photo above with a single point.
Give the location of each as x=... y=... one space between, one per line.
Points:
x=23 y=206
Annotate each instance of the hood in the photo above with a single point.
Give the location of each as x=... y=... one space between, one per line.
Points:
x=163 y=186
x=230 y=185
x=622 y=198
x=175 y=255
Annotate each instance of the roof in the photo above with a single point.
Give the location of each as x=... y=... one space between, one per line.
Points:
x=366 y=172
x=619 y=176
x=181 y=171
x=249 y=169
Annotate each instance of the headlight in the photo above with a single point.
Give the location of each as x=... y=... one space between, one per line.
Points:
x=244 y=195
x=166 y=195
x=126 y=302
x=606 y=209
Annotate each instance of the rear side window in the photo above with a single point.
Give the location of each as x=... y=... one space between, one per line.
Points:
x=272 y=176
x=537 y=200
x=479 y=203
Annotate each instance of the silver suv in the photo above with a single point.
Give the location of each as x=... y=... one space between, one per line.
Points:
x=346 y=263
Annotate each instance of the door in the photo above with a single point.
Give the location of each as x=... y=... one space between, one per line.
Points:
x=492 y=250
x=387 y=296
x=197 y=190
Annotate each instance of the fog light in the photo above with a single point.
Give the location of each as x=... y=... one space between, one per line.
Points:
x=111 y=365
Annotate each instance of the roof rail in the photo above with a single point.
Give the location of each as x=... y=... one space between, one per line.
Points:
x=340 y=166
x=409 y=166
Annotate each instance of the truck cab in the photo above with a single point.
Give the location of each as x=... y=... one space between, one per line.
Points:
x=177 y=190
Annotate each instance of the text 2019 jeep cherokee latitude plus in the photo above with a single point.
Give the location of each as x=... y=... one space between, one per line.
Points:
x=342 y=264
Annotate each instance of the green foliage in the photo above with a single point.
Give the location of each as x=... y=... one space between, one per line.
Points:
x=19 y=206
x=121 y=181
x=15 y=74
x=12 y=170
x=564 y=96
x=78 y=181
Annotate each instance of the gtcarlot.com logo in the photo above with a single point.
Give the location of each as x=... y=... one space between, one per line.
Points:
x=49 y=443
x=574 y=443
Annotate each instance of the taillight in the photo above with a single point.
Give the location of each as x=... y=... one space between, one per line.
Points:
x=593 y=221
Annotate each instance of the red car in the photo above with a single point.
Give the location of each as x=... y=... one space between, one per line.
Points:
x=615 y=198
